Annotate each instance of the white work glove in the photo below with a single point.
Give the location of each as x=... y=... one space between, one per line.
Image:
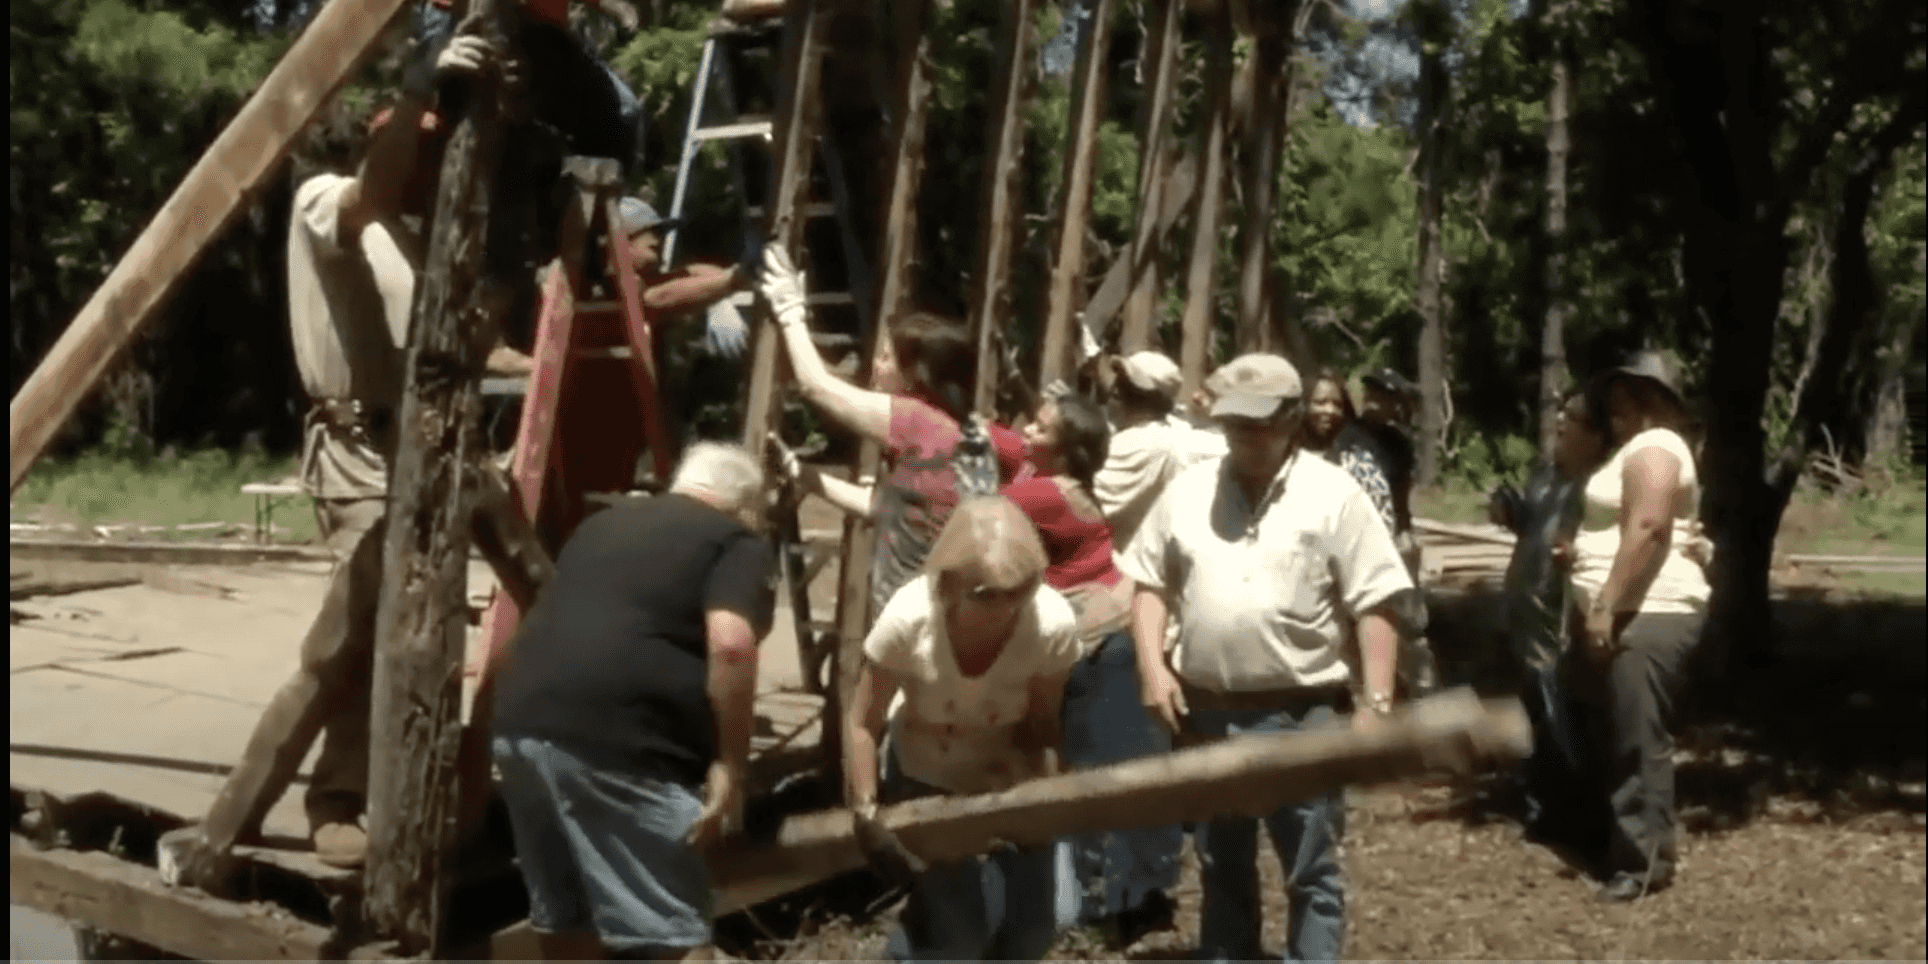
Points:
x=465 y=55
x=724 y=333
x=787 y=461
x=782 y=285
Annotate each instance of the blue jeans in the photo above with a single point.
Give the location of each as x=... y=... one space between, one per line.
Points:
x=995 y=908
x=602 y=849
x=1102 y=874
x=1306 y=835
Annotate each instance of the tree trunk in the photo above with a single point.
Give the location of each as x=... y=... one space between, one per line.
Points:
x=415 y=730
x=1158 y=62
x=1263 y=143
x=1888 y=441
x=1553 y=335
x=1201 y=274
x=1426 y=297
x=997 y=234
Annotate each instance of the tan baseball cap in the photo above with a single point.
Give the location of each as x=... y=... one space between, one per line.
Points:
x=1152 y=372
x=1252 y=386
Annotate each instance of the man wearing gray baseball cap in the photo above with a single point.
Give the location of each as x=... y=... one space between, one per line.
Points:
x=1266 y=555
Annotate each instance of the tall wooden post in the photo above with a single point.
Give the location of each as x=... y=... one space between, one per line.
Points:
x=1067 y=263
x=415 y=731
x=1553 y=331
x=1159 y=65
x=1263 y=142
x=1201 y=272
x=912 y=114
x=795 y=136
x=991 y=296
x=248 y=150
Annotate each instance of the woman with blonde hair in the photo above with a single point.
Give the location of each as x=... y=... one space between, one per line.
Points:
x=979 y=650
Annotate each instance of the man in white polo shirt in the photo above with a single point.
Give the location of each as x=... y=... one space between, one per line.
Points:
x=1266 y=555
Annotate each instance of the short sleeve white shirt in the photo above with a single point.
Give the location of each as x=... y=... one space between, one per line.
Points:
x=957 y=732
x=1681 y=586
x=349 y=301
x=1262 y=593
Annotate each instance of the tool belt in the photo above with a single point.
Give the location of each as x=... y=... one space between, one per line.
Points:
x=349 y=414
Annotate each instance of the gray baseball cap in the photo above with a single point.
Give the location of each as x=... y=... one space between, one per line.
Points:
x=638 y=216
x=1252 y=386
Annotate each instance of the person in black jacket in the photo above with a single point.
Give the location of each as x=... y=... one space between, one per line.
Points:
x=1546 y=515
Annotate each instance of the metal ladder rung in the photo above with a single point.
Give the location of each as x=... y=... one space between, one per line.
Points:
x=741 y=130
x=814 y=209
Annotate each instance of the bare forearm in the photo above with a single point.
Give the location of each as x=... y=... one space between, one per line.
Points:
x=1148 y=615
x=1643 y=548
x=391 y=158
x=851 y=497
x=695 y=290
x=860 y=764
x=732 y=691
x=1378 y=653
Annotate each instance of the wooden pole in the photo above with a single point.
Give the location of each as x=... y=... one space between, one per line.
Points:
x=1159 y=64
x=241 y=158
x=415 y=730
x=1067 y=267
x=1181 y=180
x=1250 y=775
x=1264 y=135
x=997 y=233
x=1200 y=277
x=795 y=136
x=912 y=114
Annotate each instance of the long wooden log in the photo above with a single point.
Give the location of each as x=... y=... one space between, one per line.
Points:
x=1154 y=120
x=1068 y=261
x=235 y=166
x=1201 y=273
x=128 y=899
x=1250 y=775
x=1181 y=179
x=415 y=729
x=997 y=233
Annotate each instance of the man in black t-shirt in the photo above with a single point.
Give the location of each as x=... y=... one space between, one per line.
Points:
x=623 y=712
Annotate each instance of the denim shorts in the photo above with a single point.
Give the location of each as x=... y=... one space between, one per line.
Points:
x=602 y=849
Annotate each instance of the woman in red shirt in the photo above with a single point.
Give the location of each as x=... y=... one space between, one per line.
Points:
x=1117 y=877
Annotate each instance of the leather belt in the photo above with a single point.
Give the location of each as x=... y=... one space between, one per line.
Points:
x=1290 y=698
x=351 y=414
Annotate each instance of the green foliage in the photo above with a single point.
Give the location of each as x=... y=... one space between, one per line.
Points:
x=158 y=49
x=106 y=486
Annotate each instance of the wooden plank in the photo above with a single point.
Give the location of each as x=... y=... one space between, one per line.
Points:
x=997 y=233
x=1154 y=121
x=1201 y=273
x=796 y=133
x=1250 y=775
x=124 y=898
x=1264 y=141
x=507 y=538
x=1175 y=195
x=415 y=727
x=911 y=112
x=160 y=553
x=1066 y=288
x=1494 y=535
x=241 y=159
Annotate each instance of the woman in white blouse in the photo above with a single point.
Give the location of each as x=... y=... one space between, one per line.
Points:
x=979 y=650
x=1642 y=598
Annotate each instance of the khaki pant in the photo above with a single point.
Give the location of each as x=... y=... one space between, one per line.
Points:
x=340 y=647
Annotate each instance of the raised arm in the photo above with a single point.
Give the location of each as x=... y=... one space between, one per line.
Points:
x=376 y=191
x=859 y=409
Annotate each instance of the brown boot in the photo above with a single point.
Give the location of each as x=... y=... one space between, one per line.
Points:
x=340 y=844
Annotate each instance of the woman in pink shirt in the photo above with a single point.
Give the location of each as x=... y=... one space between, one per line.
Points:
x=923 y=380
x=1121 y=877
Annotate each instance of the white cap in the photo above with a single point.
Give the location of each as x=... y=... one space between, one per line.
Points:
x=1152 y=372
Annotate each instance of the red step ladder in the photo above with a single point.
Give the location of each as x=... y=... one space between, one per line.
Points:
x=586 y=439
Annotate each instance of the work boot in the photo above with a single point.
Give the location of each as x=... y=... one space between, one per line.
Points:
x=339 y=844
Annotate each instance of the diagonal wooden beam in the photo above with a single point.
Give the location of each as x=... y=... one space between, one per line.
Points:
x=1067 y=265
x=234 y=167
x=997 y=234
